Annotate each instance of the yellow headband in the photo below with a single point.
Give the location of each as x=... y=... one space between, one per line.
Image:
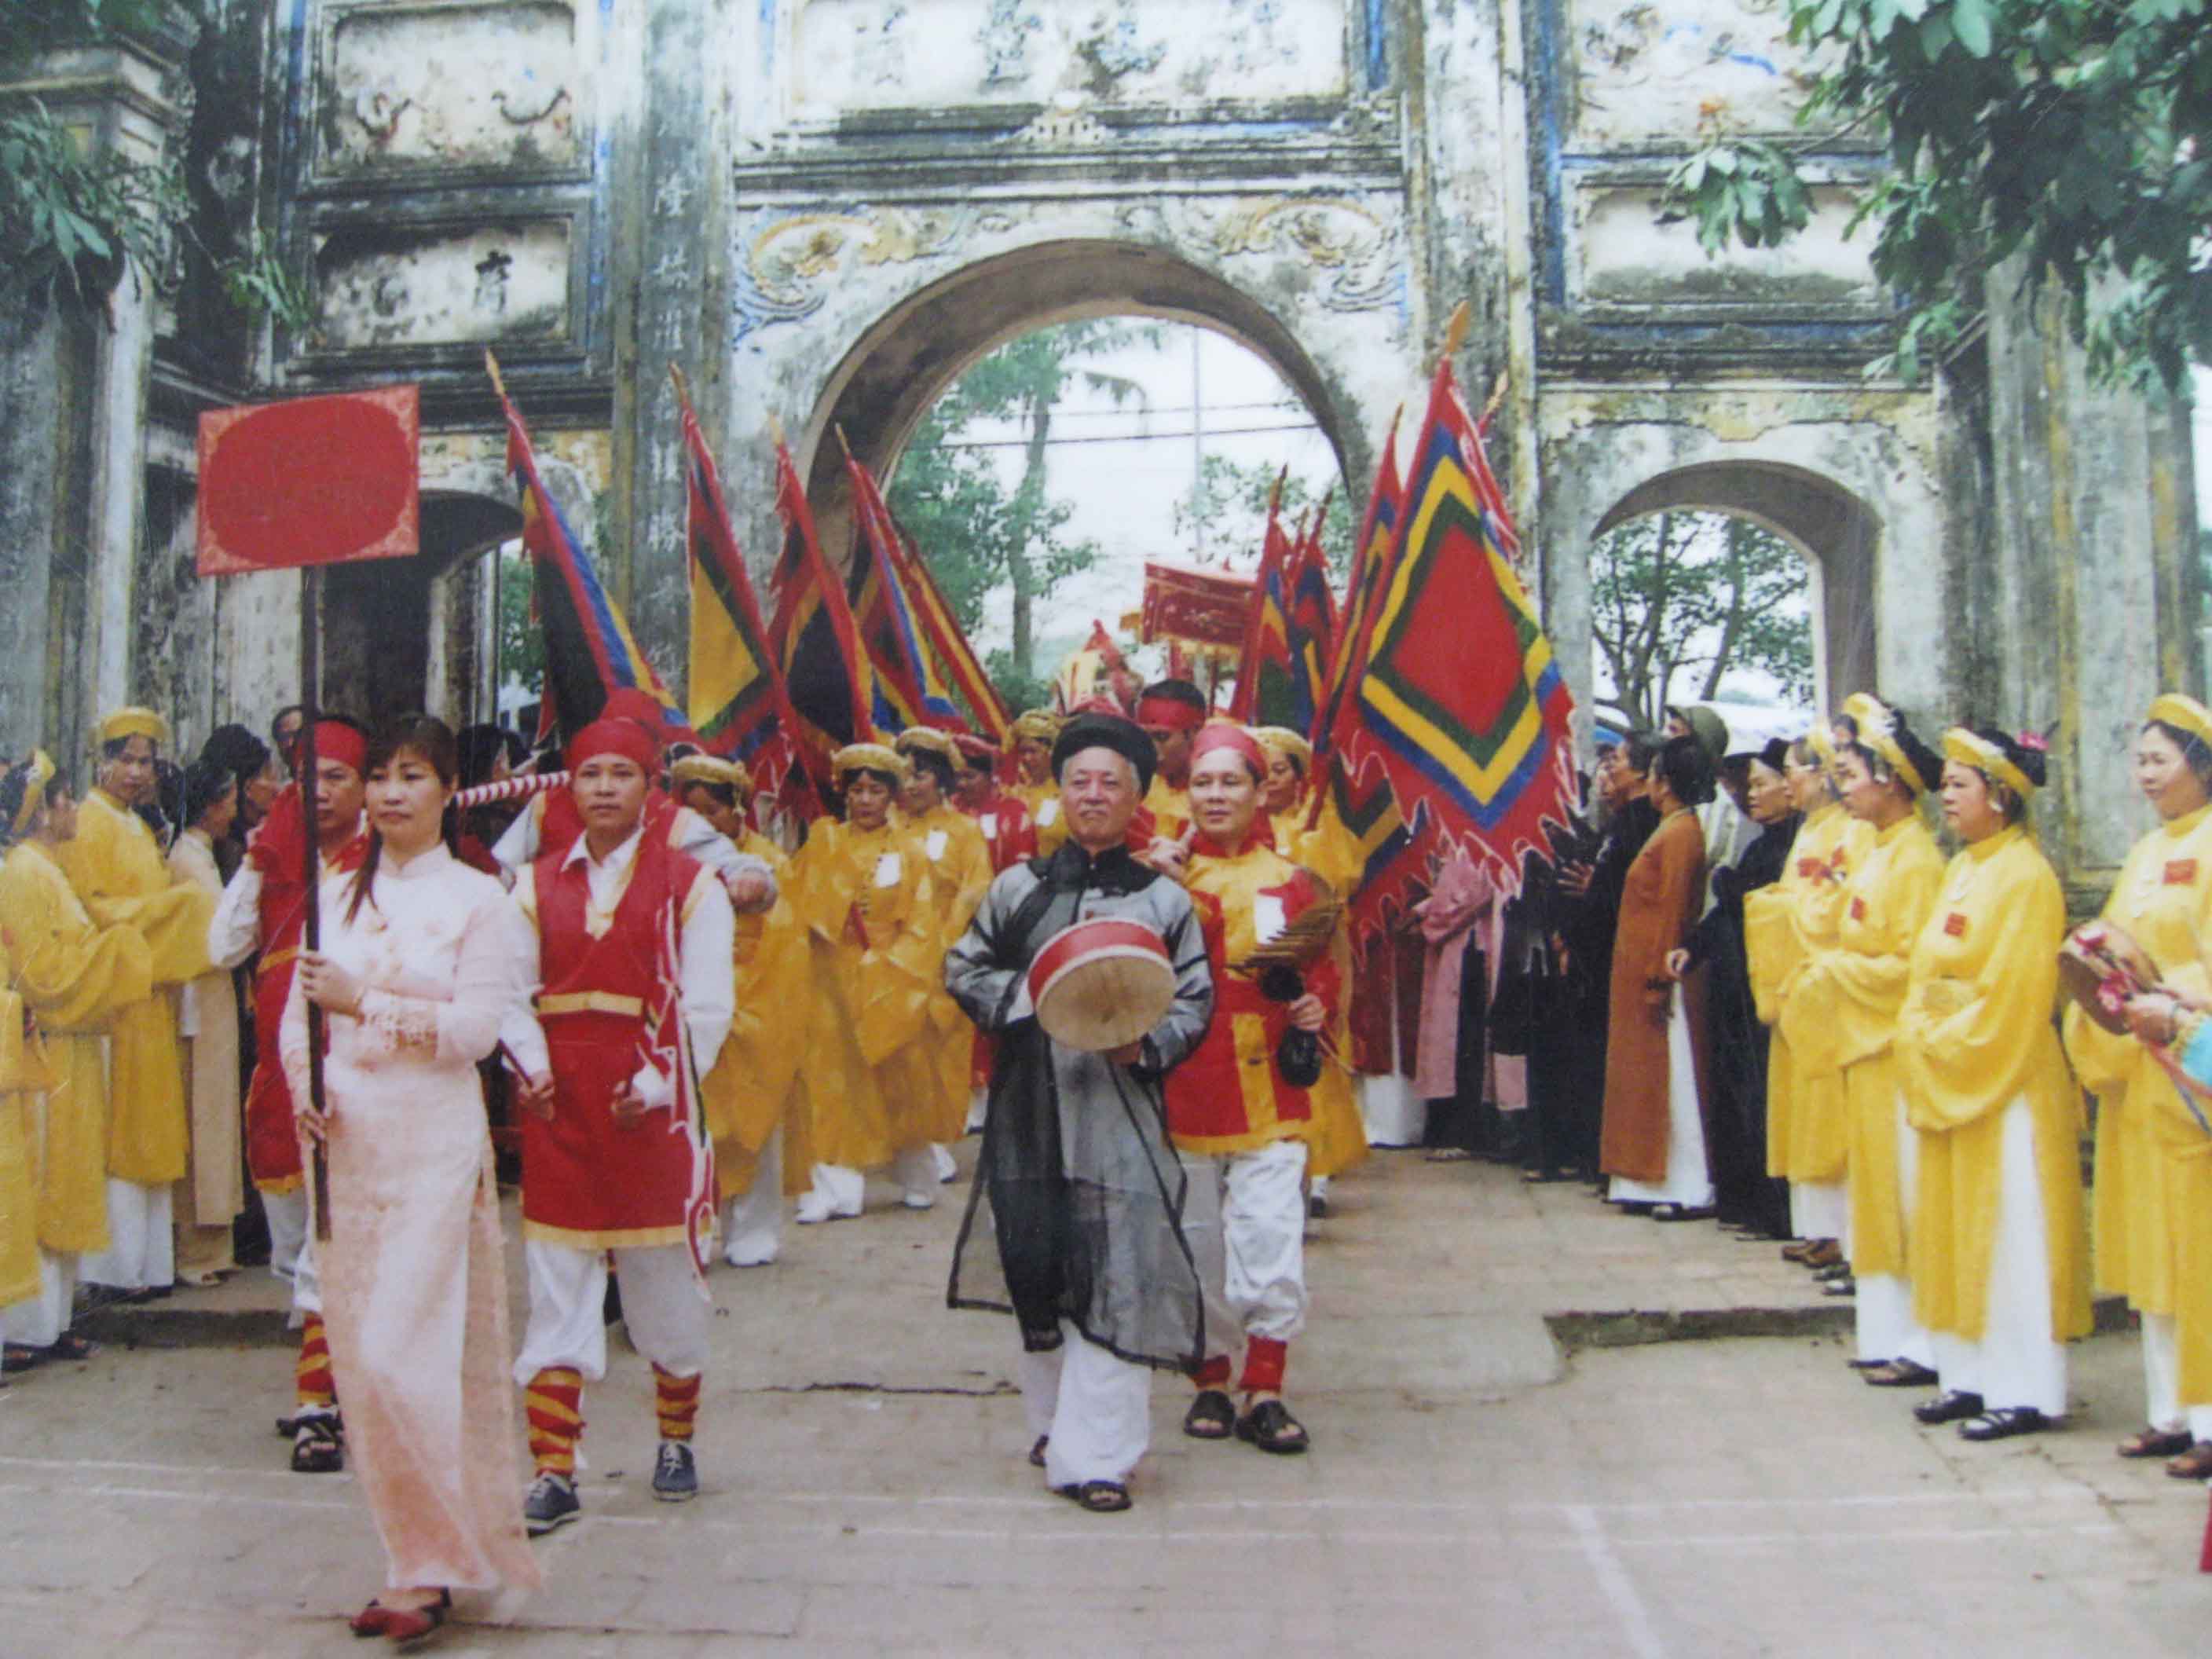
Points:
x=1033 y=726
x=2185 y=713
x=1880 y=737
x=37 y=773
x=1281 y=740
x=134 y=722
x=1823 y=740
x=929 y=740
x=1864 y=710
x=704 y=769
x=867 y=758
x=1971 y=748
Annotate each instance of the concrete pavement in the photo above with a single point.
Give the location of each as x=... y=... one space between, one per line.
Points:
x=1477 y=1486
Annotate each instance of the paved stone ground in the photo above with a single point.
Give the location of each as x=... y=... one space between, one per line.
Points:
x=1476 y=1487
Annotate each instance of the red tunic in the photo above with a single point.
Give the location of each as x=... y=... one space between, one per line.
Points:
x=1228 y=1095
x=272 y=1139
x=1007 y=831
x=607 y=1006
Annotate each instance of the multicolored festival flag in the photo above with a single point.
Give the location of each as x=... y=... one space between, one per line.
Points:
x=589 y=649
x=1264 y=674
x=908 y=689
x=985 y=706
x=1378 y=533
x=813 y=641
x=740 y=705
x=1459 y=694
x=1311 y=625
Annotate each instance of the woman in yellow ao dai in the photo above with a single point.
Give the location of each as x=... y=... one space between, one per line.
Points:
x=959 y=860
x=861 y=887
x=2000 y=1257
x=2152 y=1203
x=1785 y=926
x=1844 y=1011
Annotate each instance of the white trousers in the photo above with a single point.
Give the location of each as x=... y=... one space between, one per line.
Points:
x=979 y=1108
x=2015 y=1363
x=1819 y=1210
x=141 y=1244
x=1689 y=1181
x=287 y=1213
x=946 y=1166
x=841 y=1190
x=1244 y=1215
x=1886 y=1328
x=2161 y=1348
x=39 y=1321
x=1393 y=1114
x=753 y=1223
x=1095 y=1406
x=662 y=1304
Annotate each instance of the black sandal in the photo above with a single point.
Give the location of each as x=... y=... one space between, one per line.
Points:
x=1036 y=1452
x=316 y=1448
x=16 y=1359
x=1270 y=1426
x=1099 y=1497
x=2003 y=1422
x=69 y=1345
x=1211 y=1416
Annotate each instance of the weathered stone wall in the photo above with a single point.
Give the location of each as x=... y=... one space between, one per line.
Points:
x=825 y=209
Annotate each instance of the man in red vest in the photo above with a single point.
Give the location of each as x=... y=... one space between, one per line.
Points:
x=265 y=909
x=635 y=988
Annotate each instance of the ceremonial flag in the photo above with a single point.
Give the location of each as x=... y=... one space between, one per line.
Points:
x=1370 y=556
x=589 y=649
x=1459 y=691
x=812 y=639
x=1263 y=676
x=1311 y=626
x=908 y=690
x=740 y=705
x=950 y=641
x=310 y=480
x=1090 y=671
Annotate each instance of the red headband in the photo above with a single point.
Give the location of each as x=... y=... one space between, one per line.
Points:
x=1211 y=738
x=625 y=737
x=336 y=740
x=1170 y=712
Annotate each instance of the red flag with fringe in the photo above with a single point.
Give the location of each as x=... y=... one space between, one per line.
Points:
x=816 y=646
x=1457 y=691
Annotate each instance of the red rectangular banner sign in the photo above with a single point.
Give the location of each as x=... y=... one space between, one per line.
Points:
x=313 y=481
x=1203 y=608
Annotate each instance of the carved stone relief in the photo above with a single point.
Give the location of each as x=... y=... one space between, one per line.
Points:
x=1647 y=73
x=1346 y=242
x=379 y=286
x=854 y=55
x=484 y=86
x=789 y=260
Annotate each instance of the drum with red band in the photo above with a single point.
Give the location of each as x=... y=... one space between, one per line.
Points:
x=1102 y=984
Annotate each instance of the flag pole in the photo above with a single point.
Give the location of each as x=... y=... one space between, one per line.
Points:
x=311 y=928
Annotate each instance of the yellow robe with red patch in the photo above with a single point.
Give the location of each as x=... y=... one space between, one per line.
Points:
x=24 y=1078
x=2163 y=899
x=74 y=978
x=754 y=1087
x=1855 y=990
x=867 y=901
x=1785 y=926
x=1169 y=807
x=1049 y=822
x=1340 y=1133
x=1227 y=1095
x=960 y=874
x=120 y=875
x=1975 y=1036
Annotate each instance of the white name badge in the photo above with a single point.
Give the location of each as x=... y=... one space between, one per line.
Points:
x=933 y=844
x=888 y=871
x=1049 y=811
x=1268 y=919
x=990 y=828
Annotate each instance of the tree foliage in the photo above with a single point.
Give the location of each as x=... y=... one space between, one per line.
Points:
x=1700 y=592
x=1229 y=505
x=2076 y=135
x=981 y=537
